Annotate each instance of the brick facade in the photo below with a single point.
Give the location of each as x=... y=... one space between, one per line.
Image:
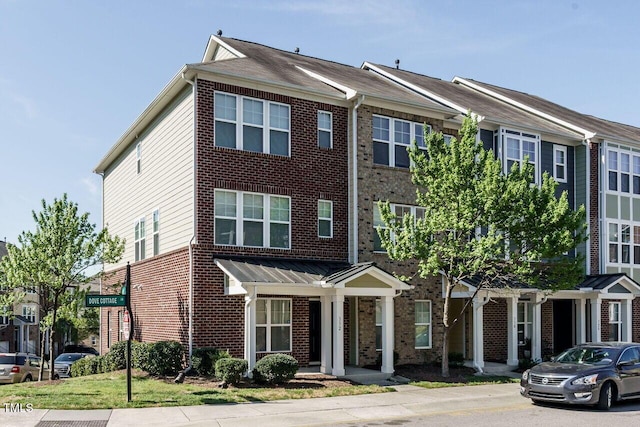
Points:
x=594 y=208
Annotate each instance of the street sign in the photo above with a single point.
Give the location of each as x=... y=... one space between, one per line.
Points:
x=125 y=324
x=105 y=301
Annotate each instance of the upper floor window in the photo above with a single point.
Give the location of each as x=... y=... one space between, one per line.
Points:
x=615 y=321
x=392 y=137
x=623 y=171
x=251 y=124
x=252 y=219
x=518 y=146
x=139 y=240
x=138 y=158
x=325 y=218
x=325 y=129
x=156 y=232
x=400 y=210
x=560 y=163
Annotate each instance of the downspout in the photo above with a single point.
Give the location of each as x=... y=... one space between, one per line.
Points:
x=354 y=121
x=587 y=144
x=193 y=239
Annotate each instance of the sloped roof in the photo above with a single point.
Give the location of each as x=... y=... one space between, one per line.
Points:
x=603 y=128
x=604 y=281
x=491 y=108
x=264 y=63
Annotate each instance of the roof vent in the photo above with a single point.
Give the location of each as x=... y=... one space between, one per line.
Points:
x=297 y=50
x=219 y=32
x=397 y=64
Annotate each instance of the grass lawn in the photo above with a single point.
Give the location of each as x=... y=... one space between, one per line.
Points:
x=471 y=380
x=106 y=391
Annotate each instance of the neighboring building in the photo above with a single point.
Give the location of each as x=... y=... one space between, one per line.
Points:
x=20 y=331
x=247 y=193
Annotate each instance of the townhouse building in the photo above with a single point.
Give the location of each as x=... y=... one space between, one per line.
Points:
x=247 y=194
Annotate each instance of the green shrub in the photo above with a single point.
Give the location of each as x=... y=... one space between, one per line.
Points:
x=85 y=366
x=275 y=369
x=230 y=370
x=140 y=355
x=165 y=358
x=116 y=358
x=204 y=359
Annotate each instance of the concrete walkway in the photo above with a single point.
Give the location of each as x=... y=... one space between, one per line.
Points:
x=407 y=401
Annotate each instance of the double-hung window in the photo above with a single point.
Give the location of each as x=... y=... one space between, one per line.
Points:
x=560 y=163
x=325 y=129
x=400 y=210
x=138 y=158
x=623 y=171
x=615 y=321
x=273 y=325
x=525 y=322
x=251 y=124
x=624 y=243
x=156 y=232
x=325 y=218
x=29 y=311
x=392 y=138
x=139 y=240
x=423 y=324
x=252 y=219
x=518 y=146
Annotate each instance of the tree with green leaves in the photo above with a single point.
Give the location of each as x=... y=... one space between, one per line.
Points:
x=482 y=224
x=56 y=259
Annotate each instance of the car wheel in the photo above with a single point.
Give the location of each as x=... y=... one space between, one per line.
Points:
x=27 y=379
x=537 y=402
x=606 y=397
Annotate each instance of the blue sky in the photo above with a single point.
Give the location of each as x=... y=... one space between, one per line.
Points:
x=75 y=74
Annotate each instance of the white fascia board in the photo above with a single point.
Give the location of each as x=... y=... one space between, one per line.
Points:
x=211 y=48
x=587 y=134
x=350 y=93
x=421 y=91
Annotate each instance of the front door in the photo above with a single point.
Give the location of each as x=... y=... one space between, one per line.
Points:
x=315 y=331
x=562 y=325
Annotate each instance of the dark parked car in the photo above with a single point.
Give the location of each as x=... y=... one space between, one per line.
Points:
x=588 y=374
x=63 y=362
x=78 y=348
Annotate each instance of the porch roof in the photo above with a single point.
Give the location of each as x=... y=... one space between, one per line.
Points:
x=273 y=272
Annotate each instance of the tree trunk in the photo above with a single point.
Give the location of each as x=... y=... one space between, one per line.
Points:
x=51 y=334
x=42 y=343
x=445 y=352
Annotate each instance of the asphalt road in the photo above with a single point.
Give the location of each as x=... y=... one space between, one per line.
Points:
x=519 y=413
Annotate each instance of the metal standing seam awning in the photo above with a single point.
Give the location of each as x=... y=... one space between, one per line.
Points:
x=306 y=277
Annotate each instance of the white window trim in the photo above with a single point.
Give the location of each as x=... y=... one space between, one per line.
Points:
x=526 y=324
x=139 y=158
x=266 y=220
x=429 y=324
x=392 y=143
x=33 y=308
x=155 y=215
x=520 y=136
x=269 y=325
x=382 y=226
x=266 y=123
x=330 y=130
x=137 y=243
x=610 y=152
x=329 y=219
x=618 y=322
x=632 y=243
x=556 y=162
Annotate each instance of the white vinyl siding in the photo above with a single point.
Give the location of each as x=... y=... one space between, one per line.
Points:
x=167 y=180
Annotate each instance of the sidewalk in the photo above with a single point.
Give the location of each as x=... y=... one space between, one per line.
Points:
x=407 y=401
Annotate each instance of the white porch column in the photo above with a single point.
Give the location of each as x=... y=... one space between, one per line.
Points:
x=536 y=339
x=250 y=329
x=512 y=330
x=596 y=306
x=338 y=335
x=626 y=318
x=325 y=339
x=478 y=333
x=581 y=321
x=387 y=335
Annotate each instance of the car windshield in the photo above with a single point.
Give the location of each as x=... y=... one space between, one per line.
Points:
x=588 y=355
x=68 y=357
